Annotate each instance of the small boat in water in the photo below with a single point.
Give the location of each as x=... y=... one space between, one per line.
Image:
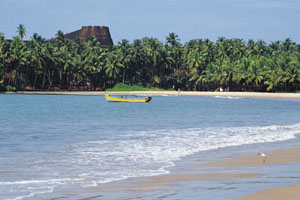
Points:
x=127 y=98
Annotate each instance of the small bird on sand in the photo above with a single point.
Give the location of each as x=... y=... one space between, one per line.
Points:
x=263 y=155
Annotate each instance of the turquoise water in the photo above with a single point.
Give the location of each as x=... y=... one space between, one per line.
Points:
x=50 y=142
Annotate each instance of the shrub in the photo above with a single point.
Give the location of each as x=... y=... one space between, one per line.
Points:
x=9 y=88
x=121 y=87
x=2 y=87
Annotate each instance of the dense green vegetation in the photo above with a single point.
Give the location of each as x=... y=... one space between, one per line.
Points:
x=230 y=64
x=120 y=87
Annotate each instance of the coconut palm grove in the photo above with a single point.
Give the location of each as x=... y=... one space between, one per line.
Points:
x=197 y=65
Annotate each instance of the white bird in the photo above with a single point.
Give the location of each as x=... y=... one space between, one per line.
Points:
x=262 y=154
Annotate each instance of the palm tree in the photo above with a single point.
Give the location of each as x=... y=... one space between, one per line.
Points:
x=173 y=39
x=287 y=45
x=197 y=59
x=256 y=71
x=37 y=56
x=138 y=59
x=113 y=66
x=221 y=46
x=272 y=74
x=293 y=75
x=93 y=60
x=21 y=31
x=199 y=64
x=3 y=54
x=175 y=51
x=59 y=36
x=75 y=69
x=17 y=59
x=162 y=74
x=248 y=73
x=238 y=49
x=125 y=53
x=50 y=64
x=152 y=49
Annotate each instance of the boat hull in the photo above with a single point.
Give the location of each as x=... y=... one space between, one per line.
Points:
x=134 y=100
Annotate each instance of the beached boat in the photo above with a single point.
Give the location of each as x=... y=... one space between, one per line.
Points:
x=127 y=98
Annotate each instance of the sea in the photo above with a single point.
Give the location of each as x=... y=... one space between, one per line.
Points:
x=51 y=143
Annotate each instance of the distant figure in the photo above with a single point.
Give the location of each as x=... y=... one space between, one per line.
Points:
x=178 y=90
x=263 y=155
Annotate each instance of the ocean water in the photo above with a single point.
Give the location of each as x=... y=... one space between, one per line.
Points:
x=56 y=142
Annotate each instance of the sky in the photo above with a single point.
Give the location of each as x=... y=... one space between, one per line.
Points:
x=269 y=20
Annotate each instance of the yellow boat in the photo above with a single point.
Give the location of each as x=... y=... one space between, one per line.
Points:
x=124 y=99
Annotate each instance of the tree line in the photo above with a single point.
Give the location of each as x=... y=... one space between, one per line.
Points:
x=200 y=64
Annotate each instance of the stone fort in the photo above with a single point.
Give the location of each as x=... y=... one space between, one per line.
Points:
x=101 y=33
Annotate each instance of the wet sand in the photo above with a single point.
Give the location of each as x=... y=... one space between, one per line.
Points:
x=291 y=192
x=192 y=181
x=273 y=157
x=172 y=93
x=164 y=182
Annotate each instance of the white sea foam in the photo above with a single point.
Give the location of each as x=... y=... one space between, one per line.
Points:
x=30 y=188
x=49 y=181
x=150 y=153
x=32 y=194
x=227 y=97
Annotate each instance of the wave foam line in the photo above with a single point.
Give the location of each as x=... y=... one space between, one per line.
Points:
x=50 y=181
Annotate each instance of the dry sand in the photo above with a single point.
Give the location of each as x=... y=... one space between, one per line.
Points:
x=173 y=93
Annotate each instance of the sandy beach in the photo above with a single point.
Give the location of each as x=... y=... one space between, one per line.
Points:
x=171 y=93
x=228 y=171
x=273 y=157
x=291 y=192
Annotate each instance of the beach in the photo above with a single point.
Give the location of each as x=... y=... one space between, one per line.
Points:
x=186 y=182
x=209 y=155
x=171 y=93
x=291 y=192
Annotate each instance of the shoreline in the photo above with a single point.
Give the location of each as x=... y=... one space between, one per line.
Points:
x=168 y=93
x=239 y=177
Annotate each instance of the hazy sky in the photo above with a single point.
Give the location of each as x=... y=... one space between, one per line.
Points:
x=269 y=20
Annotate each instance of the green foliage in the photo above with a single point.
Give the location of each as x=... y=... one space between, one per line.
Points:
x=121 y=87
x=9 y=88
x=21 y=31
x=2 y=87
x=227 y=64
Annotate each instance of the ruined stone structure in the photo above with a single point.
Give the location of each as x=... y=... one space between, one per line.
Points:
x=101 y=33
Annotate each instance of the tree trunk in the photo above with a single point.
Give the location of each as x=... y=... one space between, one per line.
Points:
x=44 y=79
x=123 y=75
x=68 y=79
x=60 y=78
x=35 y=78
x=50 y=78
x=52 y=74
x=16 y=78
